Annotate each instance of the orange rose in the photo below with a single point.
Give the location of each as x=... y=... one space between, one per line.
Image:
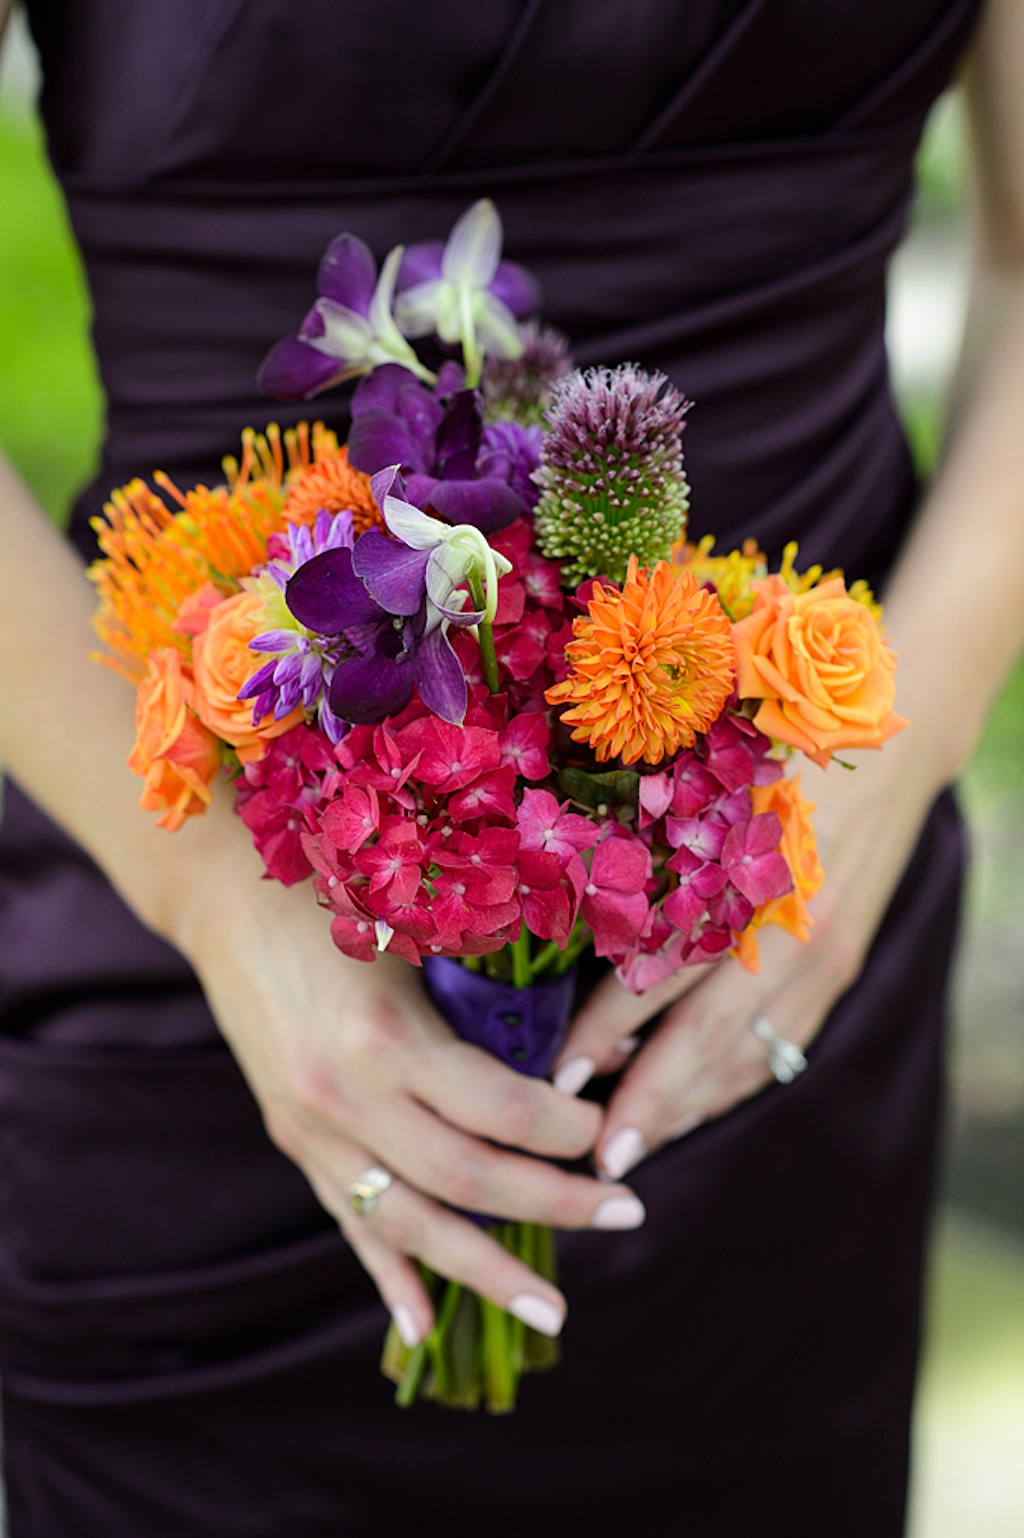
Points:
x=223 y=663
x=800 y=852
x=820 y=666
x=177 y=757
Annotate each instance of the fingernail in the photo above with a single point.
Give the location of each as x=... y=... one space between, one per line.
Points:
x=619 y=1212
x=406 y=1325
x=627 y=1045
x=572 y=1076
x=538 y=1313
x=681 y=1128
x=622 y=1151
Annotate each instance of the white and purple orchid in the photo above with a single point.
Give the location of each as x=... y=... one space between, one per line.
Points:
x=465 y=293
x=349 y=331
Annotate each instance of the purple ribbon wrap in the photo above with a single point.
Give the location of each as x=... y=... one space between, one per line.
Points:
x=524 y=1027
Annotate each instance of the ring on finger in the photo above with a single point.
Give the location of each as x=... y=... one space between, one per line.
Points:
x=785 y=1058
x=367 y=1189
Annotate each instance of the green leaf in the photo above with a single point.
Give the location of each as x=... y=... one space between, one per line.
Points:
x=613 y=787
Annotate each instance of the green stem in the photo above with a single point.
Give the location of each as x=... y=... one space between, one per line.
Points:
x=485 y=634
x=544 y=959
x=521 y=970
x=578 y=942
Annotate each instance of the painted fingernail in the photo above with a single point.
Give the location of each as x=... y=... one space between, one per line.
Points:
x=538 y=1313
x=572 y=1076
x=406 y=1325
x=681 y=1128
x=627 y=1045
x=619 y=1212
x=622 y=1151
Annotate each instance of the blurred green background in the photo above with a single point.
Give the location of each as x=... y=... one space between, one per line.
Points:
x=970 y=1469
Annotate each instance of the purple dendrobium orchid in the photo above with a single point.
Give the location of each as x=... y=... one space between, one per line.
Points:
x=436 y=443
x=426 y=561
x=382 y=655
x=464 y=292
x=350 y=329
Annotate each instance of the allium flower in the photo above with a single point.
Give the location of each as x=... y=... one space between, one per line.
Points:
x=611 y=472
x=464 y=292
x=519 y=389
x=651 y=666
x=349 y=330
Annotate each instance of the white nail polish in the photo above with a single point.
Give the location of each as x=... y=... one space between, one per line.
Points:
x=572 y=1076
x=622 y=1151
x=406 y=1325
x=538 y=1313
x=627 y=1045
x=619 y=1212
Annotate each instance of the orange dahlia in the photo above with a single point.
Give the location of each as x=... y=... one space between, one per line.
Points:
x=652 y=664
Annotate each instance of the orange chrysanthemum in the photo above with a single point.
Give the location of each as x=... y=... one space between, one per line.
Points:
x=156 y=555
x=652 y=665
x=334 y=484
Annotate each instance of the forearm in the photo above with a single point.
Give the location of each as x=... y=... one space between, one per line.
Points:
x=955 y=606
x=66 y=727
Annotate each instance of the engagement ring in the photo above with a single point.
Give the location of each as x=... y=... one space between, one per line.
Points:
x=784 y=1056
x=367 y=1189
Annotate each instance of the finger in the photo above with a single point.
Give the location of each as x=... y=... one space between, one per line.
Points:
x=476 y=1092
x=406 y=1223
x=609 y=1016
x=395 y=1276
x=477 y=1177
x=693 y=1068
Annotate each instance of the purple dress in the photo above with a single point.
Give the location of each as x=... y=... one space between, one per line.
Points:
x=712 y=187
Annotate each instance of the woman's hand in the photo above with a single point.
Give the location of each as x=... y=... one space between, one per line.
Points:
x=703 y=1058
x=352 y=1068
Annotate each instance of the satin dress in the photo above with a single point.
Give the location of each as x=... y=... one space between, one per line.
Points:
x=187 y=1346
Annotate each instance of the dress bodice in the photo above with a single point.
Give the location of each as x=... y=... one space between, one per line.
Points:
x=711 y=189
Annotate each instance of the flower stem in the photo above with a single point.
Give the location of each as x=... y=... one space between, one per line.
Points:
x=578 y=942
x=521 y=970
x=544 y=959
x=485 y=634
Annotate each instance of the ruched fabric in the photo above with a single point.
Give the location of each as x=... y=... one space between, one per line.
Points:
x=186 y=1345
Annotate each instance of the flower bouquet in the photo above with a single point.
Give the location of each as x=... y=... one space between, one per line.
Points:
x=469 y=678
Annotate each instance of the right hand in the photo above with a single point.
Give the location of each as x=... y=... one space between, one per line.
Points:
x=352 y=1067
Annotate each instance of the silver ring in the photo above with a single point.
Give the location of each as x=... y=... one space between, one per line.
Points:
x=367 y=1189
x=785 y=1059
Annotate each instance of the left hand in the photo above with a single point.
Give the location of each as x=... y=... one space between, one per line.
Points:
x=703 y=1058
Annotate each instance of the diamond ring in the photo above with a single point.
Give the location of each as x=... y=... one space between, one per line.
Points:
x=367 y=1189
x=785 y=1059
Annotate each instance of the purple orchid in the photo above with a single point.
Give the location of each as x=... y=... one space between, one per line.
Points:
x=426 y=561
x=436 y=443
x=301 y=665
x=464 y=292
x=350 y=329
x=382 y=655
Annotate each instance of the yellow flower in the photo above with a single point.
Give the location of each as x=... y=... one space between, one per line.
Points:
x=652 y=665
x=732 y=575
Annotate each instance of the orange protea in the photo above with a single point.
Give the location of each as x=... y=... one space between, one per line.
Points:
x=156 y=554
x=732 y=575
x=652 y=665
x=334 y=484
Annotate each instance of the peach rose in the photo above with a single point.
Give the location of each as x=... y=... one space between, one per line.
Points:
x=800 y=852
x=176 y=756
x=223 y=663
x=820 y=666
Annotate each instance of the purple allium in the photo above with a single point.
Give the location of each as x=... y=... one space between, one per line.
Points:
x=611 y=474
x=518 y=389
x=510 y=452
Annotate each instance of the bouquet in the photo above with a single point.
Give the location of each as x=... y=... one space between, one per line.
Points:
x=469 y=678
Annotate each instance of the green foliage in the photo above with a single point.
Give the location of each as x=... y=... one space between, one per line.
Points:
x=50 y=402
